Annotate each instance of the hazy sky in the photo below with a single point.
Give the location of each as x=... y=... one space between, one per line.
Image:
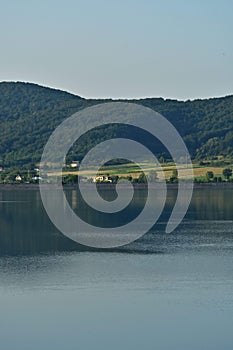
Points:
x=176 y=49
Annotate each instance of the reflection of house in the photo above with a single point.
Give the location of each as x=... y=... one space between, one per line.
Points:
x=18 y=178
x=102 y=178
x=74 y=164
x=83 y=179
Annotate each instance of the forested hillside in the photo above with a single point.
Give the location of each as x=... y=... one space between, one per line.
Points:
x=29 y=113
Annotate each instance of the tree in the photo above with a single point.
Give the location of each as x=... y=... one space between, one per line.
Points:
x=114 y=178
x=227 y=173
x=174 y=177
x=142 y=178
x=153 y=176
x=28 y=176
x=209 y=176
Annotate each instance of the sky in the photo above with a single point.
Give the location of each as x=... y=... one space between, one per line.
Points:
x=180 y=49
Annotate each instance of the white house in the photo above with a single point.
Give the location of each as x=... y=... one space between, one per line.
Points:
x=74 y=164
x=18 y=178
x=102 y=178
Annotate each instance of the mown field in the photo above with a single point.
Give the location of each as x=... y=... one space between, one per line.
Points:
x=133 y=170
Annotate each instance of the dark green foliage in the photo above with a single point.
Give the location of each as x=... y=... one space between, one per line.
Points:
x=209 y=176
x=29 y=113
x=115 y=178
x=73 y=179
x=142 y=178
x=174 y=177
x=227 y=173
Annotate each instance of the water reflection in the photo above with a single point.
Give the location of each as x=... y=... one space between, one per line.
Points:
x=26 y=229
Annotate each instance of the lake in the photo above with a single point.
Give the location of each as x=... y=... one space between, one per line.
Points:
x=164 y=291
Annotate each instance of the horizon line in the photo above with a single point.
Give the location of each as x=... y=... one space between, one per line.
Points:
x=117 y=98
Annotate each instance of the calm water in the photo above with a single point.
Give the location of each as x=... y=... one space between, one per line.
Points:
x=161 y=292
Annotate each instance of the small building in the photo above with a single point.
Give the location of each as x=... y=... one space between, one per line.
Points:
x=74 y=164
x=102 y=178
x=18 y=178
x=1 y=168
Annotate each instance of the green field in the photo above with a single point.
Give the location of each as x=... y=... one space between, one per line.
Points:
x=130 y=169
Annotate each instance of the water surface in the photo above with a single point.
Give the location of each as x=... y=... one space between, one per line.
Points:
x=162 y=292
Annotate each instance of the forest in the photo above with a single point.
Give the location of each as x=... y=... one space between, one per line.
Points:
x=29 y=113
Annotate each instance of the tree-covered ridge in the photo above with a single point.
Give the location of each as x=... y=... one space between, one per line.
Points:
x=29 y=113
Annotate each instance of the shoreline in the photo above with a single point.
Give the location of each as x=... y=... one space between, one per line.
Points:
x=221 y=185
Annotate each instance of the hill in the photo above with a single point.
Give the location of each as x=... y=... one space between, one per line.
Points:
x=29 y=113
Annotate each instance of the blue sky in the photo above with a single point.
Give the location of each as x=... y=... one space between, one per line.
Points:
x=173 y=49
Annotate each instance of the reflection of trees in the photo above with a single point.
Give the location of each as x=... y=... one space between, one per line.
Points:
x=212 y=204
x=26 y=229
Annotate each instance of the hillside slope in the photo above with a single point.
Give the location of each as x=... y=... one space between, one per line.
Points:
x=29 y=113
